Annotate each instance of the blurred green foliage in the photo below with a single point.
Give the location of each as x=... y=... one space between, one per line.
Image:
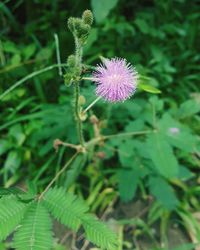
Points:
x=161 y=38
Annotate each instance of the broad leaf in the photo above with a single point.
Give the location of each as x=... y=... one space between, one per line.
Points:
x=128 y=180
x=163 y=192
x=162 y=155
x=101 y=8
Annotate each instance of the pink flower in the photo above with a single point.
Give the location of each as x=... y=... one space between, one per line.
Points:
x=174 y=130
x=116 y=80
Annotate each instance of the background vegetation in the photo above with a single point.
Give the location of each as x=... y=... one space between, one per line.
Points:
x=147 y=186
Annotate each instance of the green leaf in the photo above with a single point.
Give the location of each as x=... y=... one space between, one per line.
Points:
x=185 y=173
x=163 y=192
x=65 y=207
x=128 y=180
x=177 y=134
x=149 y=88
x=99 y=234
x=188 y=108
x=142 y=25
x=187 y=246
x=101 y=8
x=10 y=47
x=35 y=232
x=126 y=156
x=12 y=162
x=29 y=50
x=134 y=126
x=17 y=133
x=162 y=156
x=11 y=213
x=11 y=190
x=4 y=146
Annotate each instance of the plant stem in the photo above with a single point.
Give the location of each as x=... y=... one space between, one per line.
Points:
x=77 y=117
x=78 y=56
x=58 y=175
x=105 y=137
x=91 y=104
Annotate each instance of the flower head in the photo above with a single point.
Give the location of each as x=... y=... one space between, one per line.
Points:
x=174 y=130
x=116 y=80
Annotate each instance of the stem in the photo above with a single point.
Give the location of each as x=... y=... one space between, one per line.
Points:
x=129 y=134
x=57 y=175
x=76 y=109
x=78 y=56
x=107 y=137
x=91 y=104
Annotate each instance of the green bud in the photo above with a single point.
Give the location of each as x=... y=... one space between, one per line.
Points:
x=87 y=17
x=83 y=32
x=70 y=23
x=77 y=24
x=68 y=79
x=81 y=100
x=84 y=29
x=71 y=61
x=77 y=72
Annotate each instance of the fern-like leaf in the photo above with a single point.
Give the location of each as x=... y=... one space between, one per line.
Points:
x=11 y=213
x=98 y=233
x=35 y=232
x=9 y=191
x=65 y=207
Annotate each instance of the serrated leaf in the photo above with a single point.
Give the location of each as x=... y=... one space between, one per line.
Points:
x=11 y=213
x=162 y=156
x=35 y=232
x=163 y=192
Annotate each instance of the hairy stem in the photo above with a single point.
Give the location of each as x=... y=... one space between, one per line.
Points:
x=78 y=56
x=76 y=111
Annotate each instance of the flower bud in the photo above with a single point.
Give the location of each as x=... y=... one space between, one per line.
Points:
x=71 y=61
x=82 y=116
x=87 y=17
x=83 y=33
x=81 y=100
x=77 y=24
x=70 y=23
x=68 y=79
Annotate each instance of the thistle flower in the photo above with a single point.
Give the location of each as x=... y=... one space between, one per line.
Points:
x=116 y=80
